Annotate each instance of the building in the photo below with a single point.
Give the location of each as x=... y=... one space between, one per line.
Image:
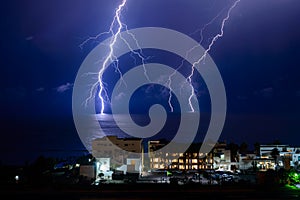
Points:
x=247 y=160
x=266 y=150
x=222 y=157
x=113 y=153
x=88 y=172
x=278 y=156
x=192 y=159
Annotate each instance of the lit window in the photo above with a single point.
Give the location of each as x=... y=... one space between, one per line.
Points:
x=222 y=157
x=194 y=160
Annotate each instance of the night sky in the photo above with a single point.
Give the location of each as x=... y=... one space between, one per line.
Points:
x=258 y=58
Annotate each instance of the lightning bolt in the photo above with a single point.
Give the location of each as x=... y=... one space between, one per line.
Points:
x=169 y=81
x=119 y=26
x=204 y=27
x=110 y=55
x=219 y=35
x=214 y=39
x=115 y=30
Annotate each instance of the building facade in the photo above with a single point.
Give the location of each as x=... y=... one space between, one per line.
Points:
x=192 y=159
x=113 y=153
x=222 y=157
x=278 y=156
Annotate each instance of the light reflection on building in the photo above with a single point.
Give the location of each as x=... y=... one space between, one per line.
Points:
x=189 y=160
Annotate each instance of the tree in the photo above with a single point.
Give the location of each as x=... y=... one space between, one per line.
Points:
x=276 y=142
x=243 y=148
x=101 y=175
x=275 y=154
x=257 y=148
x=293 y=176
x=233 y=151
x=86 y=159
x=40 y=171
x=296 y=164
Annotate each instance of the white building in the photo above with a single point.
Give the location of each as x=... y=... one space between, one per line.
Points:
x=287 y=157
x=113 y=153
x=222 y=157
x=247 y=161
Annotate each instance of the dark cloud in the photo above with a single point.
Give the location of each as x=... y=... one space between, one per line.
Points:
x=29 y=38
x=267 y=92
x=40 y=89
x=63 y=88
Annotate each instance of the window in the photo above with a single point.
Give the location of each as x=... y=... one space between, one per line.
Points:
x=222 y=157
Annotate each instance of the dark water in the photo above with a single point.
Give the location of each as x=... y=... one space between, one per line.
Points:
x=24 y=140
